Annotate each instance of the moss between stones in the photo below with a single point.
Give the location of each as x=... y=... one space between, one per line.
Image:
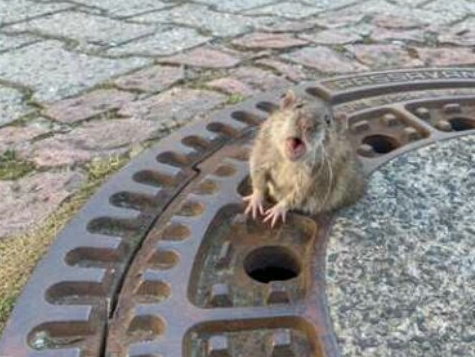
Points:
x=12 y=167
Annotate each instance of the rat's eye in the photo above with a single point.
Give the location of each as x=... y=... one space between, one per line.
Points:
x=327 y=119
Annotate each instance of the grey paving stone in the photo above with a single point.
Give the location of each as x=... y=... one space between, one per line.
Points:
x=426 y=16
x=234 y=6
x=326 y=5
x=161 y=44
x=18 y=10
x=454 y=9
x=289 y=10
x=12 y=105
x=218 y=23
x=8 y=43
x=55 y=73
x=400 y=262
x=85 y=28
x=124 y=8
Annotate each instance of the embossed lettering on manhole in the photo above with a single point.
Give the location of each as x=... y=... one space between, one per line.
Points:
x=162 y=262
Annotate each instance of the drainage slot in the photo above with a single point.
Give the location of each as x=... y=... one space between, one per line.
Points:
x=461 y=124
x=273 y=263
x=381 y=144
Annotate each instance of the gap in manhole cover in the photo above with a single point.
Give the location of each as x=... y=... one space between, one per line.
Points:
x=162 y=262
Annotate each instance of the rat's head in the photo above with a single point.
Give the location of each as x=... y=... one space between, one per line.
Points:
x=302 y=126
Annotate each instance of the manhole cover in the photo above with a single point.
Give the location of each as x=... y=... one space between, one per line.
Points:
x=162 y=263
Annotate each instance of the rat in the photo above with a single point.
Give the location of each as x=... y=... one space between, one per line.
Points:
x=302 y=160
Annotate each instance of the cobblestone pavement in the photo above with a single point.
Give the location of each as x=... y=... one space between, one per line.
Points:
x=85 y=79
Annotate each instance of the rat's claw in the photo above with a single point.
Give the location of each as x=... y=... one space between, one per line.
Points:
x=273 y=214
x=254 y=205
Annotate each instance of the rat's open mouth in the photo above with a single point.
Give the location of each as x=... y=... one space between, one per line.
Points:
x=295 y=148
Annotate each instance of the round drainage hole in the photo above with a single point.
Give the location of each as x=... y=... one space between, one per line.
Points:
x=381 y=144
x=461 y=124
x=274 y=263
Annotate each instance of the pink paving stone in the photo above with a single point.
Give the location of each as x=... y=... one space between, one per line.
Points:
x=324 y=60
x=384 y=56
x=292 y=72
x=260 y=79
x=268 y=40
x=231 y=86
x=30 y=200
x=332 y=37
x=95 y=138
x=88 y=105
x=204 y=57
x=174 y=106
x=52 y=152
x=153 y=79
x=396 y=22
x=382 y=34
x=446 y=56
x=12 y=137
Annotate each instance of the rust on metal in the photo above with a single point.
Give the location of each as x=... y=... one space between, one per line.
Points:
x=161 y=261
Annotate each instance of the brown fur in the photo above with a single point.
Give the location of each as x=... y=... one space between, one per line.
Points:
x=328 y=177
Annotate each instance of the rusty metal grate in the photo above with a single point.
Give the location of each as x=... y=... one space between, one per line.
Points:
x=161 y=261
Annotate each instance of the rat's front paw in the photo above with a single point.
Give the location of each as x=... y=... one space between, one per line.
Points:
x=275 y=213
x=255 y=203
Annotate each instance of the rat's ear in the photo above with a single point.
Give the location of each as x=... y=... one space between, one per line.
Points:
x=288 y=100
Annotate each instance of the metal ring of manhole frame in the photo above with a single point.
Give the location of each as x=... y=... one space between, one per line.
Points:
x=156 y=264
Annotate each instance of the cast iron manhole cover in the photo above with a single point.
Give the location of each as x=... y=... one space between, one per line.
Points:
x=162 y=263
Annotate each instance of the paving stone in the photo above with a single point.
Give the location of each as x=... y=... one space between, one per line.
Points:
x=52 y=152
x=292 y=72
x=446 y=56
x=260 y=79
x=87 y=106
x=231 y=85
x=337 y=19
x=235 y=6
x=162 y=44
x=384 y=56
x=18 y=10
x=124 y=8
x=55 y=73
x=153 y=79
x=268 y=40
x=12 y=105
x=280 y=25
x=204 y=57
x=173 y=107
x=92 y=139
x=400 y=279
x=396 y=22
x=14 y=137
x=410 y=3
x=326 y=5
x=324 y=60
x=382 y=7
x=219 y=24
x=8 y=43
x=30 y=200
x=382 y=34
x=290 y=10
x=85 y=28
x=454 y=9
x=332 y=37
x=462 y=34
